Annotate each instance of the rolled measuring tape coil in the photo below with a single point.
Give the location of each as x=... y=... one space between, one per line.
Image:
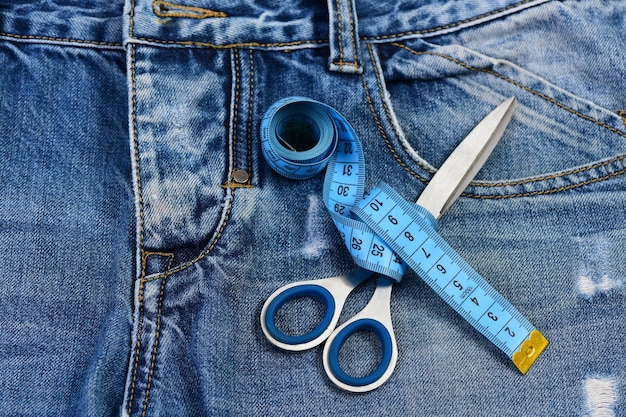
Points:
x=301 y=136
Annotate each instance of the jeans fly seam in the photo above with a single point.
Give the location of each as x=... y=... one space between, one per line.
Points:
x=54 y=40
x=381 y=92
x=155 y=344
x=452 y=25
x=217 y=238
x=163 y=8
x=142 y=282
x=517 y=84
x=140 y=213
x=235 y=103
x=131 y=395
x=250 y=104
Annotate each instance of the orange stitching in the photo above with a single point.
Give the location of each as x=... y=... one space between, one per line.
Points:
x=528 y=194
x=155 y=344
x=82 y=42
x=231 y=45
x=516 y=83
x=340 y=44
x=131 y=396
x=388 y=111
x=504 y=183
x=166 y=9
x=142 y=282
x=552 y=191
x=213 y=243
x=250 y=105
x=236 y=185
x=344 y=63
x=451 y=25
x=235 y=104
x=384 y=135
x=354 y=37
x=622 y=114
x=136 y=145
x=552 y=176
x=131 y=19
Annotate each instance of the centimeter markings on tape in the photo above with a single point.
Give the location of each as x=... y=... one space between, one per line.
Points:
x=411 y=231
x=339 y=148
x=390 y=230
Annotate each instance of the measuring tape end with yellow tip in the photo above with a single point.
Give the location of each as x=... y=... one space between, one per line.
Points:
x=529 y=351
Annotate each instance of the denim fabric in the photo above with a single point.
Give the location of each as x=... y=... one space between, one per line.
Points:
x=135 y=263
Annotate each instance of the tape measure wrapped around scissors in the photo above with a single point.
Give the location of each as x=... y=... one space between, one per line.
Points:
x=384 y=233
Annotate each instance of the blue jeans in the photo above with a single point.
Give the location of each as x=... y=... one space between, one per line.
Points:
x=141 y=230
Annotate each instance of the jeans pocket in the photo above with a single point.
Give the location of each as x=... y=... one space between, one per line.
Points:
x=434 y=95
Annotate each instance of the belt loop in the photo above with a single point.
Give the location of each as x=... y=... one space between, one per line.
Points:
x=345 y=53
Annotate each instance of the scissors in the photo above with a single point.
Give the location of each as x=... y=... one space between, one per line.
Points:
x=442 y=191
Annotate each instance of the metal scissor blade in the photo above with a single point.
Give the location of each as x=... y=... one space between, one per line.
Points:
x=466 y=160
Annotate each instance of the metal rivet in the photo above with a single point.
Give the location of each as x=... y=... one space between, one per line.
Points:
x=240 y=176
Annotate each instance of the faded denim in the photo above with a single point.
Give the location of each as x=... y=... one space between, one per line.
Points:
x=135 y=263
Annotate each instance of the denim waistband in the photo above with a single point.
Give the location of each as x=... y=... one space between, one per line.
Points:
x=254 y=24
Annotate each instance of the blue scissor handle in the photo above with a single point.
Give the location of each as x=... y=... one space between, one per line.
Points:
x=375 y=317
x=331 y=291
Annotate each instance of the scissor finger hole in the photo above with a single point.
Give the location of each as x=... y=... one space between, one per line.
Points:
x=361 y=353
x=375 y=330
x=300 y=314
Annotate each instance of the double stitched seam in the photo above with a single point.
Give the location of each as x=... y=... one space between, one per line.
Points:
x=136 y=146
x=552 y=176
x=529 y=180
x=236 y=101
x=516 y=83
x=232 y=45
x=339 y=41
x=142 y=283
x=551 y=191
x=166 y=9
x=381 y=93
x=131 y=18
x=236 y=104
x=321 y=41
x=80 y=42
x=490 y=184
x=140 y=226
x=382 y=131
x=452 y=25
x=353 y=35
x=250 y=104
x=155 y=345
x=341 y=63
x=622 y=114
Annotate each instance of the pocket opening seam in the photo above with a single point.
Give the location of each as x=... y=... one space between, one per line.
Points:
x=516 y=83
x=501 y=183
x=398 y=134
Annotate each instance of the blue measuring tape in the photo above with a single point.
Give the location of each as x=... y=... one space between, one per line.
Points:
x=299 y=138
x=382 y=231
